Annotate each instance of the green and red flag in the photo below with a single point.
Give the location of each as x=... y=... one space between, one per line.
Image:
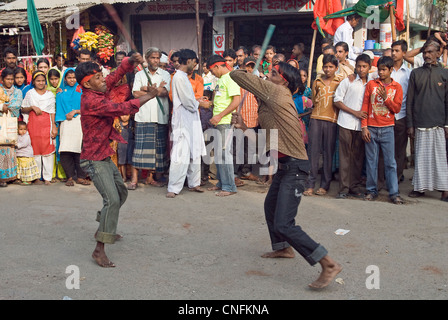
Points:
x=323 y=8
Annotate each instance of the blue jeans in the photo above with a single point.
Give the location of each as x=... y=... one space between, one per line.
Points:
x=381 y=137
x=109 y=183
x=280 y=207
x=224 y=159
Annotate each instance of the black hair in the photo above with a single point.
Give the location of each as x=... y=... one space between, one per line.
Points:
x=329 y=58
x=185 y=55
x=402 y=43
x=327 y=41
x=229 y=53
x=300 y=45
x=271 y=48
x=86 y=52
x=329 y=47
x=342 y=44
x=364 y=58
x=121 y=53
x=86 y=69
x=255 y=46
x=292 y=75
x=353 y=16
x=175 y=54
x=60 y=55
x=245 y=51
x=7 y=72
x=43 y=60
x=9 y=50
x=69 y=72
x=385 y=61
x=431 y=42
x=213 y=59
x=21 y=123
x=53 y=72
x=34 y=76
x=130 y=53
x=18 y=70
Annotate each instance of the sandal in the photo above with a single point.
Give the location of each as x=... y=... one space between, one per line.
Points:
x=238 y=182
x=308 y=192
x=83 y=182
x=397 y=200
x=132 y=186
x=157 y=183
x=321 y=192
x=370 y=197
x=70 y=183
x=3 y=184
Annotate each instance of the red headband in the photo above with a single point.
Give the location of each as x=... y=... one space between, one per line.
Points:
x=88 y=77
x=220 y=63
x=278 y=70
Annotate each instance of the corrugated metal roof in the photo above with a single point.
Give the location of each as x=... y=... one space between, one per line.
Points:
x=51 y=4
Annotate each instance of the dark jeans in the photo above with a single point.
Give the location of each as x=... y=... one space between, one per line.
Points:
x=70 y=162
x=109 y=183
x=280 y=207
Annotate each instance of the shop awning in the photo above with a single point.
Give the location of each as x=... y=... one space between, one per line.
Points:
x=13 y=14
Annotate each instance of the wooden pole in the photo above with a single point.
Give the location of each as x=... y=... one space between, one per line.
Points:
x=408 y=35
x=310 y=67
x=392 y=23
x=199 y=36
x=430 y=20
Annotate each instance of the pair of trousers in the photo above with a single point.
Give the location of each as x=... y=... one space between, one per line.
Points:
x=224 y=158
x=182 y=166
x=280 y=207
x=401 y=143
x=351 y=158
x=46 y=166
x=381 y=138
x=71 y=164
x=322 y=139
x=109 y=183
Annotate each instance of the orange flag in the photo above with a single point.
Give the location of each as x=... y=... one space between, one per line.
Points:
x=323 y=8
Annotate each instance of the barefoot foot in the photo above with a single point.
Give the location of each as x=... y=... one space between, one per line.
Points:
x=99 y=255
x=170 y=195
x=283 y=253
x=330 y=269
x=224 y=193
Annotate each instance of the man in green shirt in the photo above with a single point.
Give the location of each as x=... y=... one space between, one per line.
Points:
x=226 y=99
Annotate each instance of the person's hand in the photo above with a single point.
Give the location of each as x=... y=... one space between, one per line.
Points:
x=5 y=108
x=36 y=110
x=215 y=120
x=136 y=59
x=54 y=132
x=352 y=77
x=411 y=132
x=360 y=114
x=446 y=133
x=237 y=121
x=59 y=90
x=366 y=134
x=205 y=103
x=152 y=90
x=70 y=115
x=382 y=92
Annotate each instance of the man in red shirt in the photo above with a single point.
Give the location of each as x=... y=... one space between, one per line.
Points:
x=97 y=116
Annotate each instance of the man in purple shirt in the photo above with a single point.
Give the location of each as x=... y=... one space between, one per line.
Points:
x=97 y=116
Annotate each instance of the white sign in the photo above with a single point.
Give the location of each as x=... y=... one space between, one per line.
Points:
x=218 y=44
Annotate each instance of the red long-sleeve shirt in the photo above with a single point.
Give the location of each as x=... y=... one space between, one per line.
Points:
x=381 y=112
x=98 y=113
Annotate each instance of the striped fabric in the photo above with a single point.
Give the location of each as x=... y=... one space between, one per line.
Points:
x=431 y=168
x=249 y=111
x=27 y=169
x=150 y=146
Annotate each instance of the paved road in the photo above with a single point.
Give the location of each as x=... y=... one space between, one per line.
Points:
x=198 y=246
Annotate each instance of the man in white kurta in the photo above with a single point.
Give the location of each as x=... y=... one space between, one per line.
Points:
x=344 y=33
x=187 y=137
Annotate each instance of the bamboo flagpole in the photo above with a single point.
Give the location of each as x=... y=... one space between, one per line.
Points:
x=199 y=36
x=433 y=6
x=310 y=66
x=408 y=35
x=392 y=22
x=114 y=15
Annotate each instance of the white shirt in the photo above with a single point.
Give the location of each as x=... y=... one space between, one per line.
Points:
x=210 y=81
x=45 y=102
x=185 y=121
x=402 y=77
x=352 y=95
x=150 y=111
x=345 y=34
